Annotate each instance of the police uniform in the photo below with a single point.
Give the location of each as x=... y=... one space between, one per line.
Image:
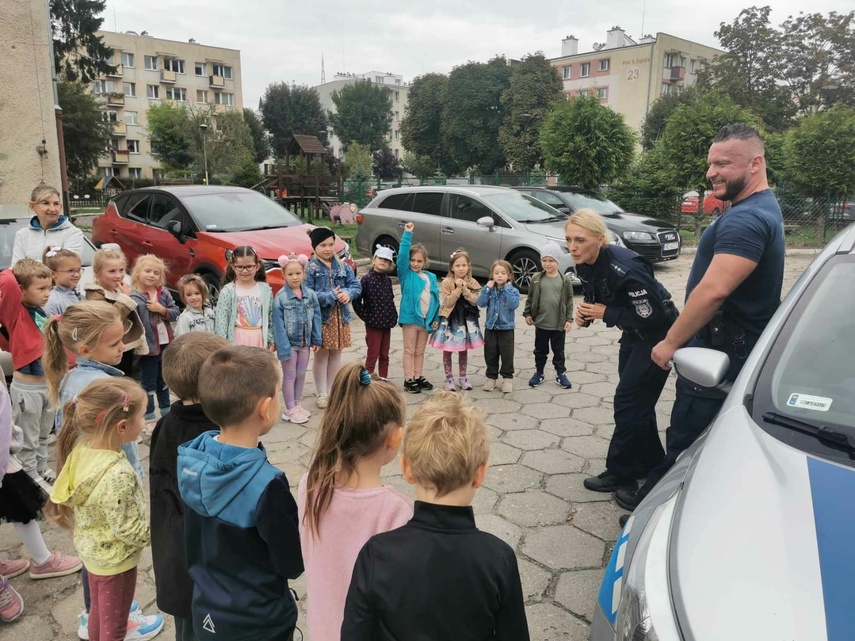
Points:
x=641 y=307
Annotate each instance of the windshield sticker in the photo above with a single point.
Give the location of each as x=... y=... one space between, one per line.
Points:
x=210 y=226
x=807 y=402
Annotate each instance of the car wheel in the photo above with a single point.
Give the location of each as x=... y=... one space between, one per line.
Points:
x=525 y=264
x=387 y=241
x=213 y=282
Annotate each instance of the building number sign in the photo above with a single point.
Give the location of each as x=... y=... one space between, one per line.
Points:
x=632 y=74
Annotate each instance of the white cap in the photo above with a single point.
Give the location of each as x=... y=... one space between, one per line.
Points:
x=384 y=252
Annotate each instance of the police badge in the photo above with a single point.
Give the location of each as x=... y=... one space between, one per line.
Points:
x=643 y=308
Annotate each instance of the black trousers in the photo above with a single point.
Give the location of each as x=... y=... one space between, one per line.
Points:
x=635 y=448
x=543 y=339
x=499 y=345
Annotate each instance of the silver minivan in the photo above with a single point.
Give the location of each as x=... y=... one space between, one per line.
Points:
x=489 y=222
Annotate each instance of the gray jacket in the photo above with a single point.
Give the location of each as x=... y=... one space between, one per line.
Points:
x=192 y=321
x=61 y=298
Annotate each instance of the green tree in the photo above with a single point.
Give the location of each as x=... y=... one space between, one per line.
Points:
x=87 y=134
x=260 y=141
x=419 y=166
x=659 y=112
x=473 y=114
x=534 y=87
x=291 y=109
x=386 y=165
x=648 y=188
x=79 y=54
x=171 y=135
x=363 y=114
x=357 y=161
x=586 y=143
x=421 y=128
x=820 y=153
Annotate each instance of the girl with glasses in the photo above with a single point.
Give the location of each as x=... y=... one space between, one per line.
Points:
x=245 y=307
x=65 y=268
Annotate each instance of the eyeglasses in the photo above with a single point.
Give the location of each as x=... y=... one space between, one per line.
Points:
x=68 y=271
x=244 y=268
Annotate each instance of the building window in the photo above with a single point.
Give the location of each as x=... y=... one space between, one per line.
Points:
x=693 y=66
x=586 y=69
x=227 y=99
x=134 y=146
x=151 y=63
x=173 y=64
x=378 y=80
x=103 y=86
x=132 y=118
x=396 y=116
x=110 y=115
x=396 y=153
x=674 y=60
x=130 y=89
x=666 y=88
x=604 y=65
x=201 y=96
x=224 y=71
x=567 y=72
x=128 y=60
x=176 y=93
x=152 y=92
x=108 y=172
x=135 y=172
x=602 y=93
x=200 y=68
x=397 y=134
x=397 y=96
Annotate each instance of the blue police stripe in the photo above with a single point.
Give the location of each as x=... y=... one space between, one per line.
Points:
x=832 y=492
x=606 y=596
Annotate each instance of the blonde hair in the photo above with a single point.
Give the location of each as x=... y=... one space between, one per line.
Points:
x=80 y=324
x=91 y=416
x=147 y=260
x=589 y=220
x=198 y=281
x=507 y=267
x=42 y=191
x=57 y=256
x=27 y=270
x=354 y=425
x=234 y=379
x=183 y=360
x=459 y=253
x=418 y=248
x=104 y=256
x=445 y=442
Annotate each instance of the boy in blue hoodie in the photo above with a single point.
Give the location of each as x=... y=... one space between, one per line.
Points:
x=240 y=519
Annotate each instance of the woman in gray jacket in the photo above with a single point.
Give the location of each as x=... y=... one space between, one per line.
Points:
x=48 y=228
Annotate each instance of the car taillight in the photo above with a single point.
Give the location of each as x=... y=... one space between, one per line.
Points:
x=359 y=219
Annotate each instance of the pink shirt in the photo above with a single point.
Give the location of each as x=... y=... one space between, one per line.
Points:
x=353 y=517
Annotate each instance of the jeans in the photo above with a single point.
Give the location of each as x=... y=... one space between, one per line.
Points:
x=543 y=339
x=499 y=345
x=151 y=378
x=377 y=341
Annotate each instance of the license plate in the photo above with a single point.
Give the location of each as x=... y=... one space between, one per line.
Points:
x=670 y=246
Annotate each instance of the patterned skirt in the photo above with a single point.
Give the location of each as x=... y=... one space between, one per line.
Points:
x=459 y=332
x=336 y=335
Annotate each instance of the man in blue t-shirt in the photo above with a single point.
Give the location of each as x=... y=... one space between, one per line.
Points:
x=733 y=289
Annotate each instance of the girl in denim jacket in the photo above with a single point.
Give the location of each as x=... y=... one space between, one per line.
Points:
x=335 y=285
x=297 y=330
x=501 y=298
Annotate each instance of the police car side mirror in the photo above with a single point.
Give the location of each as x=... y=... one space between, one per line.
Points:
x=704 y=367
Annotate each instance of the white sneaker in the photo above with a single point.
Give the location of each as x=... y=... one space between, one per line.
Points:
x=83 y=628
x=323 y=400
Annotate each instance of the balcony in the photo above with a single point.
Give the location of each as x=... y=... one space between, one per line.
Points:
x=219 y=109
x=678 y=74
x=121 y=157
x=168 y=76
x=117 y=73
x=116 y=99
x=216 y=82
x=120 y=129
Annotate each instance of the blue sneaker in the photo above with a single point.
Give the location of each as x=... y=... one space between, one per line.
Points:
x=141 y=627
x=536 y=380
x=563 y=381
x=83 y=628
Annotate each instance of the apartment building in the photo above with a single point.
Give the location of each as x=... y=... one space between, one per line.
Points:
x=150 y=71
x=629 y=76
x=398 y=92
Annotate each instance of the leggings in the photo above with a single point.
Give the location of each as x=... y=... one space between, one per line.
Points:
x=294 y=376
x=111 y=602
x=462 y=362
x=415 y=340
x=327 y=364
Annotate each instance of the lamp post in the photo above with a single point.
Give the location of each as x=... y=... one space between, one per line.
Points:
x=203 y=127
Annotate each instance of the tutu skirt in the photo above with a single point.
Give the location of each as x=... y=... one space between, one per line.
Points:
x=460 y=331
x=21 y=499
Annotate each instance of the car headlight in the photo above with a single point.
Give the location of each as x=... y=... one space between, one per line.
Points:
x=614 y=239
x=637 y=235
x=344 y=254
x=268 y=264
x=562 y=243
x=645 y=612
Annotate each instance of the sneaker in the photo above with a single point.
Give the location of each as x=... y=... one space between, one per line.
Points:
x=83 y=627
x=323 y=401
x=489 y=384
x=305 y=411
x=11 y=603
x=608 y=482
x=507 y=385
x=464 y=383
x=14 y=567
x=57 y=564
x=449 y=385
x=627 y=498
x=48 y=475
x=294 y=415
x=47 y=488
x=141 y=626
x=412 y=386
x=424 y=383
x=536 y=379
x=563 y=381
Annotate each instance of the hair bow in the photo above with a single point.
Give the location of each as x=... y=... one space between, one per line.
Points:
x=52 y=251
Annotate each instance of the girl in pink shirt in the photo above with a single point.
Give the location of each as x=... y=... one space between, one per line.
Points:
x=342 y=501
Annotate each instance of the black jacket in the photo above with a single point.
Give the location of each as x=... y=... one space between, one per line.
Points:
x=376 y=305
x=436 y=578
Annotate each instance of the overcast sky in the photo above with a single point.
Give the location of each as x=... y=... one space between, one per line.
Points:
x=282 y=40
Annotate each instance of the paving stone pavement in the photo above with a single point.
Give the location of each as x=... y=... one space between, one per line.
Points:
x=545 y=441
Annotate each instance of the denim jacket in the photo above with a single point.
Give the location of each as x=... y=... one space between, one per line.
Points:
x=500 y=304
x=318 y=280
x=148 y=319
x=296 y=321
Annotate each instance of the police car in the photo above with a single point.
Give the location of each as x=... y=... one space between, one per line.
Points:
x=751 y=535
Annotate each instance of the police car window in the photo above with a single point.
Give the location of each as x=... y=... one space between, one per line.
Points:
x=428 y=202
x=401 y=202
x=466 y=208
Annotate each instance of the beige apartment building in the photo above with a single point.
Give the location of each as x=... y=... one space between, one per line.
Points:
x=629 y=76
x=150 y=71
x=398 y=91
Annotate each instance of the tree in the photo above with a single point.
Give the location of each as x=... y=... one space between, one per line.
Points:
x=357 y=161
x=657 y=116
x=421 y=128
x=648 y=188
x=87 y=134
x=821 y=154
x=586 y=143
x=473 y=113
x=291 y=109
x=419 y=166
x=534 y=87
x=169 y=131
x=78 y=53
x=260 y=140
x=363 y=114
x=386 y=164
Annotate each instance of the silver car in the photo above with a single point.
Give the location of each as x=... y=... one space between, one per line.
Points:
x=489 y=222
x=749 y=536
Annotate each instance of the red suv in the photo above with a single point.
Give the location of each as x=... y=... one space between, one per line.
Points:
x=192 y=228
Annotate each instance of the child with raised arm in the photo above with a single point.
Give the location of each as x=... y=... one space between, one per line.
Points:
x=438 y=577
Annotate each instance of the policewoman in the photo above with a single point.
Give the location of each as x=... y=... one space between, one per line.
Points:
x=620 y=290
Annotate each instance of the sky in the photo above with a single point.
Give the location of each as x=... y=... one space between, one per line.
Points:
x=284 y=40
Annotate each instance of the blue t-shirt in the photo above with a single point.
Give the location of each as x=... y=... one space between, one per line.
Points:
x=753 y=229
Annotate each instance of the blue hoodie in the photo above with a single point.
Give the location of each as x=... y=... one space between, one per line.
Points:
x=242 y=541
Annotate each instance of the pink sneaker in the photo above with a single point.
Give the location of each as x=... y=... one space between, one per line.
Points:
x=14 y=567
x=298 y=416
x=304 y=410
x=11 y=603
x=58 y=564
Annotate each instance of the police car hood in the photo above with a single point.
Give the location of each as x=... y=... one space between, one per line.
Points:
x=762 y=541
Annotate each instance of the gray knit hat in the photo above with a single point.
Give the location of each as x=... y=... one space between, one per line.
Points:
x=553 y=250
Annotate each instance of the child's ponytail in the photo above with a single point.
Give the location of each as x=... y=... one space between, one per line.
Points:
x=54 y=360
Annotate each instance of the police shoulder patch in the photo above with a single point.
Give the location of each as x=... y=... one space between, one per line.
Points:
x=643 y=308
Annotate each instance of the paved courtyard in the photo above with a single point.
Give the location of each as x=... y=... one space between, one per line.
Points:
x=545 y=441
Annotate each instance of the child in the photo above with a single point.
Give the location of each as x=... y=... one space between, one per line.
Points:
x=459 y=582
x=64 y=265
x=336 y=285
x=245 y=306
x=182 y=361
x=109 y=268
x=98 y=493
x=342 y=499
x=156 y=309
x=501 y=298
x=24 y=290
x=240 y=519
x=458 y=326
x=297 y=329
x=198 y=315
x=549 y=307
x=419 y=309
x=376 y=307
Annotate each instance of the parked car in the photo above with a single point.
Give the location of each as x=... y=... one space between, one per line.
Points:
x=712 y=205
x=654 y=239
x=489 y=222
x=193 y=227
x=749 y=534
